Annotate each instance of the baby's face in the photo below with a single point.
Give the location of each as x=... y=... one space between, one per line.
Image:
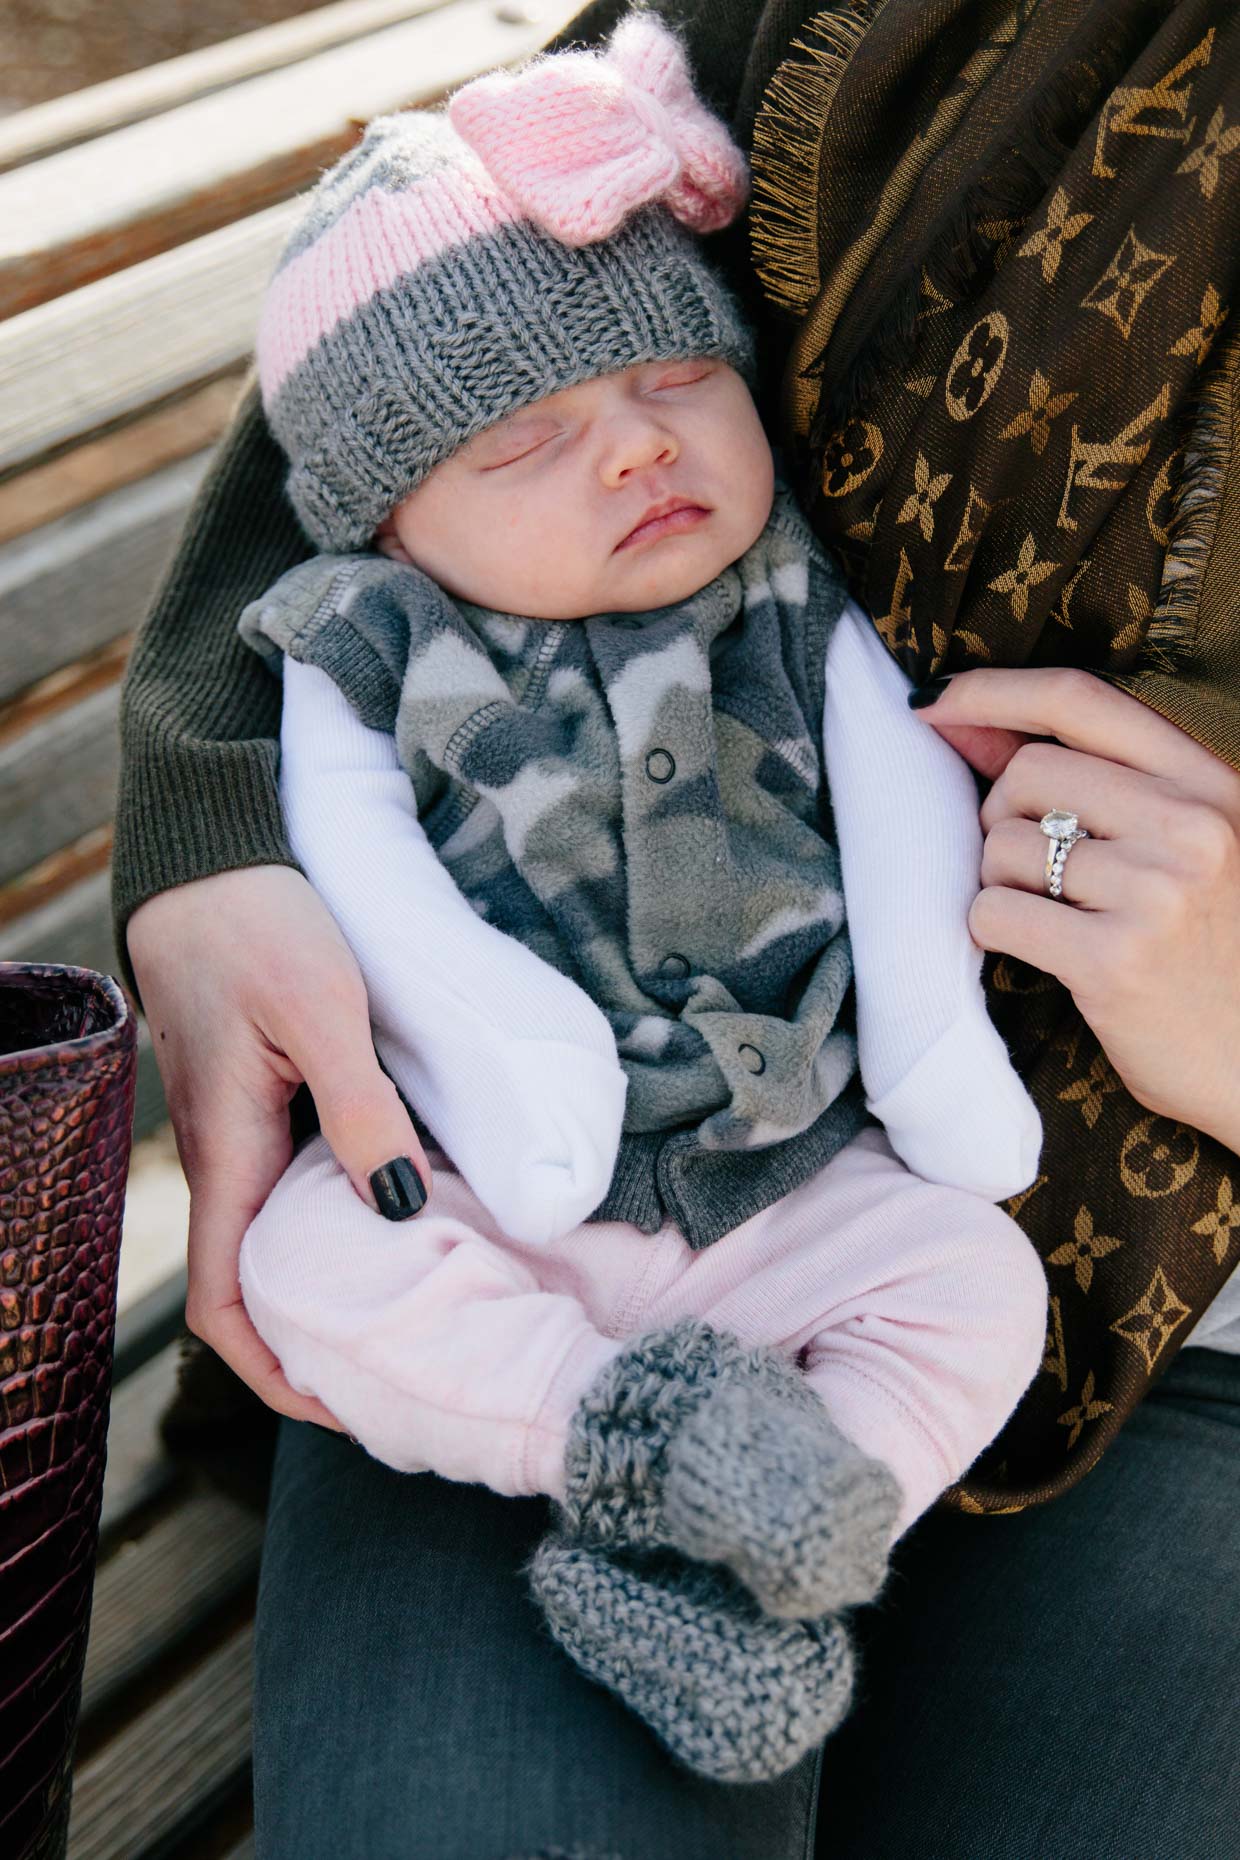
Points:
x=547 y=513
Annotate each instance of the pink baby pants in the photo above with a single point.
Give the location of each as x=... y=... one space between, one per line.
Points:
x=918 y=1313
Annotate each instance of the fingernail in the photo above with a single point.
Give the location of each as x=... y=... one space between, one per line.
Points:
x=929 y=693
x=398 y=1190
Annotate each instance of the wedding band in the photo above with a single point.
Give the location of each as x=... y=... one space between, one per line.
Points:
x=1063 y=830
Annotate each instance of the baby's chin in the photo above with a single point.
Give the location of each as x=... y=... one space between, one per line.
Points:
x=668 y=573
x=660 y=584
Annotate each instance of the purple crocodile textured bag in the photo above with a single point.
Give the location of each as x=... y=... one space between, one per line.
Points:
x=68 y=1062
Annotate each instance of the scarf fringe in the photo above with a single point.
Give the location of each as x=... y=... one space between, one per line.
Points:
x=786 y=141
x=961 y=252
x=1208 y=448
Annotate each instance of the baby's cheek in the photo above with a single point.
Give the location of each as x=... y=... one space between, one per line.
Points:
x=754 y=495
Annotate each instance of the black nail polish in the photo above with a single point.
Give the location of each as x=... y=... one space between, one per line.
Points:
x=398 y=1190
x=929 y=693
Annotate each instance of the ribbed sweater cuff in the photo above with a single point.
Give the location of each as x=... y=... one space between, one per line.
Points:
x=225 y=803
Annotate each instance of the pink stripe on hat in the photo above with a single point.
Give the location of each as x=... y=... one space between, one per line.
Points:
x=380 y=238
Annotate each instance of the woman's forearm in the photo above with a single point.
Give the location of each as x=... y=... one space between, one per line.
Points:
x=199 y=711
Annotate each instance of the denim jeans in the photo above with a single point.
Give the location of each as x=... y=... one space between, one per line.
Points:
x=1062 y=1684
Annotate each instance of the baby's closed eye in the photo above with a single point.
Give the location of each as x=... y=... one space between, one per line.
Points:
x=687 y=375
x=509 y=447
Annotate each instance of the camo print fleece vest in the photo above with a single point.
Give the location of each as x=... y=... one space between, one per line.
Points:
x=640 y=800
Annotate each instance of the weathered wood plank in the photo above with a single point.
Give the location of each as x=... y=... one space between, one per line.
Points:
x=81 y=581
x=189 y=423
x=46 y=128
x=138 y=1468
x=123 y=197
x=113 y=348
x=58 y=780
x=54 y=876
x=76 y=927
x=153 y=1592
x=61 y=690
x=148 y=1326
x=186 y=1752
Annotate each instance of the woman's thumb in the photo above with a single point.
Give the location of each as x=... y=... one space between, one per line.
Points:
x=364 y=1120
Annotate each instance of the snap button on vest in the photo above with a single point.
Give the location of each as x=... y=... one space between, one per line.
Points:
x=674 y=966
x=756 y=1064
x=660 y=765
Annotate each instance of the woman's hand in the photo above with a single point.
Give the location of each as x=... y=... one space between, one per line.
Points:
x=248 y=988
x=1151 y=953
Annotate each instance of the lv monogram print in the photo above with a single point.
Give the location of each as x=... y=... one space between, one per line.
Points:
x=1040 y=405
x=1138 y=1224
x=996 y=417
x=1127 y=282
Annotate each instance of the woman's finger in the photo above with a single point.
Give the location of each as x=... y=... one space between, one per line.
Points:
x=227 y=1330
x=1096 y=876
x=1038 y=930
x=230 y=1175
x=1078 y=710
x=1109 y=799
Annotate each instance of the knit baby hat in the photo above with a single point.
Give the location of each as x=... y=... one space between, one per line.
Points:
x=464 y=262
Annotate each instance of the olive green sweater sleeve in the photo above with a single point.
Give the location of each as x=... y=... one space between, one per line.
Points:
x=200 y=712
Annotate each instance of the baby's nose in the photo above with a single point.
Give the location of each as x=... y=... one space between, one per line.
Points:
x=643 y=442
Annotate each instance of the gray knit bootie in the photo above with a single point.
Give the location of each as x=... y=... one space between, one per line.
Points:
x=692 y=1441
x=734 y=1694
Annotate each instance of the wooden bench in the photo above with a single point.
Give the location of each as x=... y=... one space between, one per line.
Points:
x=163 y=1758
x=139 y=222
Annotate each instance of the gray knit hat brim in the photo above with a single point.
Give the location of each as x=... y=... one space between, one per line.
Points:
x=494 y=325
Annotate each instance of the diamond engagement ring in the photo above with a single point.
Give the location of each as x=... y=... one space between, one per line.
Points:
x=1063 y=830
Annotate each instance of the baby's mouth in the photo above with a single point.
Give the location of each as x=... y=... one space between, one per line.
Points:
x=673 y=517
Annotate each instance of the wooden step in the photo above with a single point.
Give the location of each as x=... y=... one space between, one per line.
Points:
x=84 y=580
x=121 y=198
x=154 y=1592
x=75 y=926
x=139 y=1469
x=116 y=348
x=172 y=1765
x=46 y=128
x=164 y=1734
x=58 y=779
x=92 y=469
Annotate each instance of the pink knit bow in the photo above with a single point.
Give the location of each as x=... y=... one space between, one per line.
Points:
x=578 y=140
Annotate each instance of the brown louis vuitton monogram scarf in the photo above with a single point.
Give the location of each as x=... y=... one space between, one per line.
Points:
x=1007 y=233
